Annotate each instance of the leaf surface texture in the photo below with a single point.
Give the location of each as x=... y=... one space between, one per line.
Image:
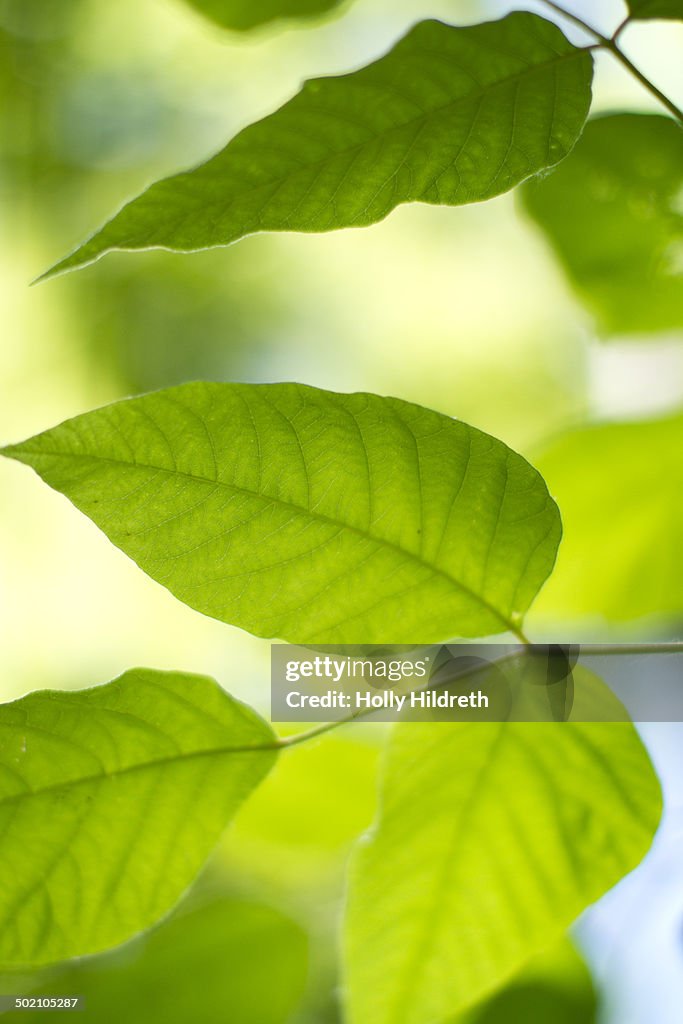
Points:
x=489 y=841
x=111 y=799
x=450 y=115
x=308 y=515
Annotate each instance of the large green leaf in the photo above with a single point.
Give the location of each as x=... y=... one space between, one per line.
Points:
x=619 y=486
x=612 y=212
x=242 y=15
x=110 y=801
x=647 y=9
x=309 y=515
x=490 y=840
x=450 y=115
x=228 y=959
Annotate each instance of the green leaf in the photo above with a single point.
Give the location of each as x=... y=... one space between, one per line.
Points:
x=111 y=800
x=555 y=986
x=450 y=115
x=612 y=213
x=490 y=840
x=285 y=836
x=227 y=957
x=309 y=515
x=242 y=15
x=619 y=486
x=647 y=9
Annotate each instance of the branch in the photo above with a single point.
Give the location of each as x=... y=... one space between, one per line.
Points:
x=612 y=46
x=589 y=650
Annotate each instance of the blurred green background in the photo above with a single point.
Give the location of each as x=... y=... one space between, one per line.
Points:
x=464 y=310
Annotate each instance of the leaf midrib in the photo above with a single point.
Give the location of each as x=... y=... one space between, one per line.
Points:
x=480 y=93
x=90 y=250
x=427 y=935
x=298 y=509
x=273 y=747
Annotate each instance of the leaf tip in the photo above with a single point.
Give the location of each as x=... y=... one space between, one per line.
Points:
x=45 y=276
x=15 y=451
x=63 y=266
x=7 y=450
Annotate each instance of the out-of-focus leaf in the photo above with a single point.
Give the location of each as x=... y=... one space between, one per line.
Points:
x=554 y=987
x=619 y=486
x=490 y=840
x=309 y=515
x=136 y=315
x=286 y=834
x=450 y=115
x=647 y=9
x=227 y=960
x=242 y=15
x=612 y=213
x=111 y=800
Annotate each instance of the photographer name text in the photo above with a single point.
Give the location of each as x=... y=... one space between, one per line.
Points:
x=386 y=700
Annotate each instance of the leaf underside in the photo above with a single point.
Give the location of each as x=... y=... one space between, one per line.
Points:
x=450 y=115
x=111 y=800
x=490 y=840
x=308 y=515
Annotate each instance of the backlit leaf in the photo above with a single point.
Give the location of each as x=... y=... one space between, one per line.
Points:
x=226 y=956
x=285 y=834
x=309 y=515
x=619 y=486
x=242 y=15
x=613 y=214
x=450 y=115
x=555 y=986
x=490 y=840
x=111 y=800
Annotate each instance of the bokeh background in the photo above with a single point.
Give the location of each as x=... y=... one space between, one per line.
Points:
x=464 y=310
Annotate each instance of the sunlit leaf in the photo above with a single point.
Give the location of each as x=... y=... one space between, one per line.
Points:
x=555 y=986
x=490 y=840
x=646 y=9
x=228 y=957
x=309 y=515
x=613 y=214
x=450 y=115
x=110 y=801
x=619 y=486
x=242 y=15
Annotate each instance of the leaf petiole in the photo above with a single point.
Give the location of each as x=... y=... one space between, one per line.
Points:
x=611 y=45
